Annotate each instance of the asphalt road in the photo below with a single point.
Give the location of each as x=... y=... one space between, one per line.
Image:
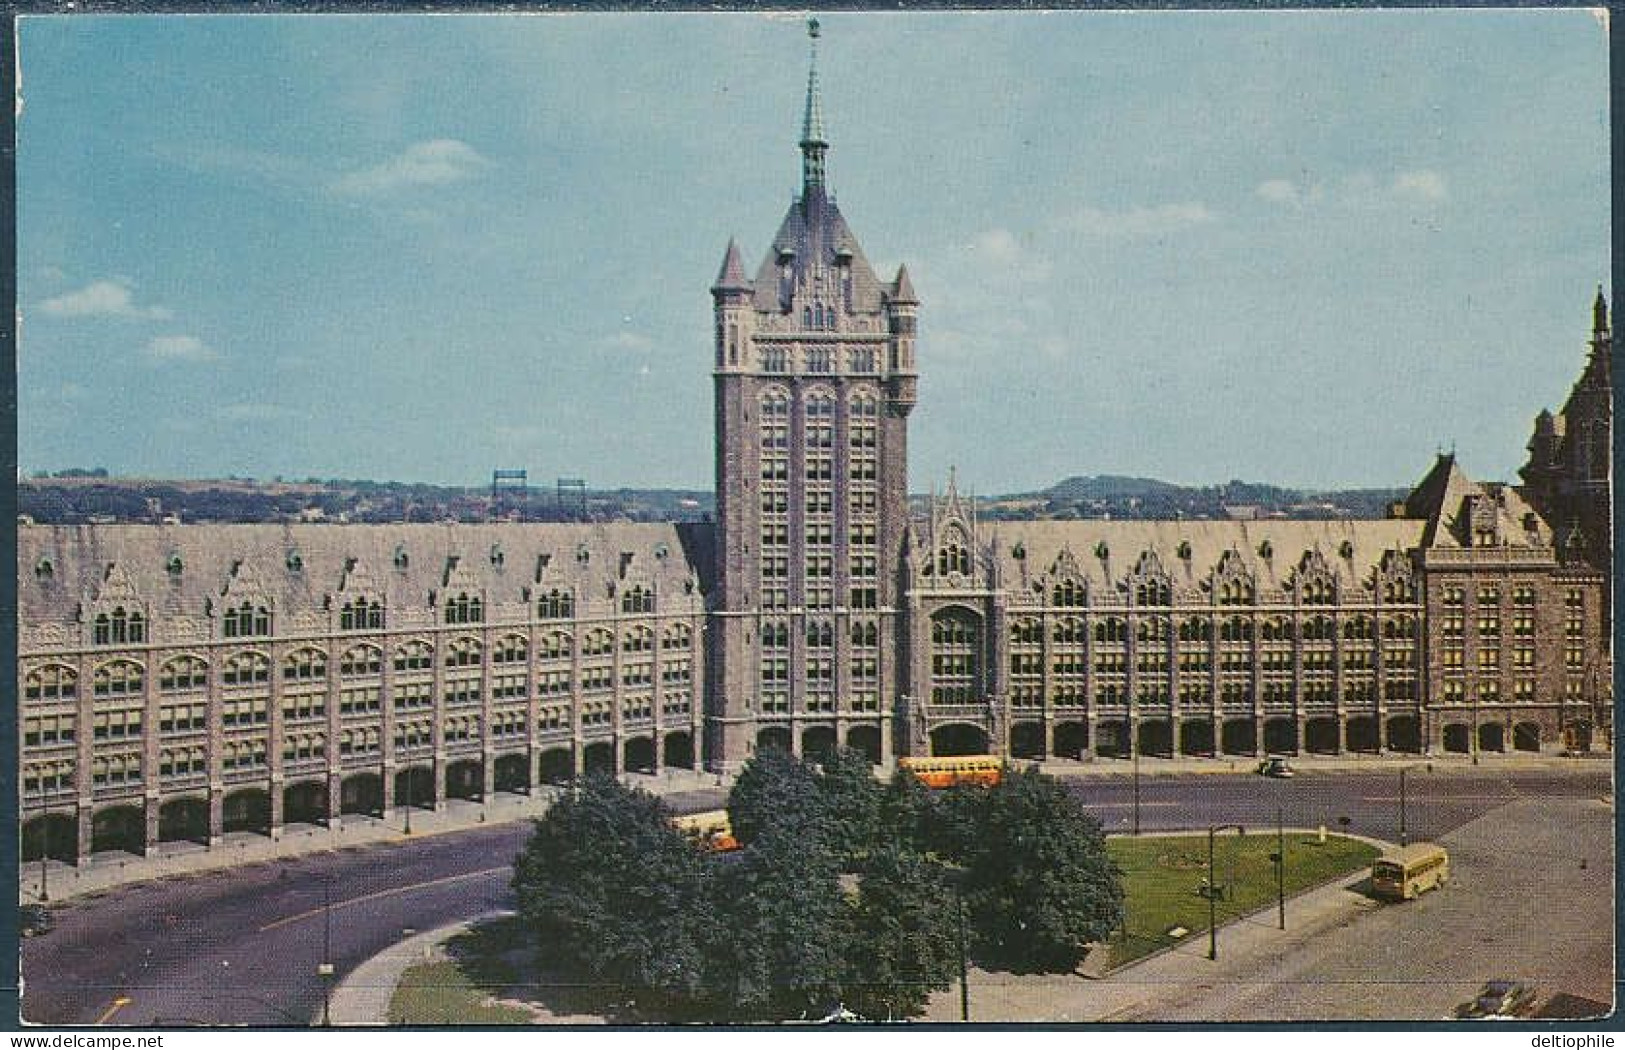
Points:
x=243 y=946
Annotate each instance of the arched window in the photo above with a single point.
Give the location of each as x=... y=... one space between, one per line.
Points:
x=246 y=668
x=304 y=665
x=554 y=646
x=362 y=660
x=51 y=682
x=415 y=655
x=119 y=678
x=677 y=637
x=464 y=652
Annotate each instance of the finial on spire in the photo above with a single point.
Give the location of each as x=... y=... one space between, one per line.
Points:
x=1599 y=312
x=813 y=142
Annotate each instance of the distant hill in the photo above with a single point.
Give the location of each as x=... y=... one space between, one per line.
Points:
x=88 y=497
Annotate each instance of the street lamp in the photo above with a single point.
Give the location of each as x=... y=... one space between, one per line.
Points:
x=1213 y=889
x=1402 y=840
x=1134 y=750
x=410 y=780
x=964 y=974
x=44 y=856
x=324 y=969
x=1280 y=865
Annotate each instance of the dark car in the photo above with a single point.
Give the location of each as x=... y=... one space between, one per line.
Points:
x=1275 y=766
x=1498 y=1000
x=33 y=920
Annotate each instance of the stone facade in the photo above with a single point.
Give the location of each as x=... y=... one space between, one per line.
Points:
x=182 y=682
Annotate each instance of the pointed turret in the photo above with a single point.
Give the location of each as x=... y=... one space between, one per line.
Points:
x=1599 y=313
x=903 y=289
x=732 y=277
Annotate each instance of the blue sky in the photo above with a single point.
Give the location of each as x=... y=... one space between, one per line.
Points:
x=1302 y=247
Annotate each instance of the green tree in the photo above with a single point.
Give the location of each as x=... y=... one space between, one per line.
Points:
x=1038 y=880
x=907 y=939
x=774 y=790
x=850 y=799
x=607 y=883
x=783 y=928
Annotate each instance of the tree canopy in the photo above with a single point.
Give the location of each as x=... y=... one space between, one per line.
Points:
x=847 y=890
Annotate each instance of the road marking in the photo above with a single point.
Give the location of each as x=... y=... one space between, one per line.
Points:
x=117 y=1004
x=312 y=913
x=1144 y=805
x=1441 y=798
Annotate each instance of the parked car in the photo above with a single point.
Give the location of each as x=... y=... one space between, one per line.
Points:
x=1275 y=766
x=1498 y=1000
x=33 y=920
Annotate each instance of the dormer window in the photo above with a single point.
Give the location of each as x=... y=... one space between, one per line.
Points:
x=119 y=627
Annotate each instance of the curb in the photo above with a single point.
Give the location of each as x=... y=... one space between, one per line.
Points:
x=362 y=999
x=1108 y=972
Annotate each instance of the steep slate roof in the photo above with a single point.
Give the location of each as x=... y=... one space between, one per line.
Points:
x=1441 y=499
x=1206 y=541
x=505 y=560
x=816 y=243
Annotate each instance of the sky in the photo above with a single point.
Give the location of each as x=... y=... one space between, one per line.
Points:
x=1308 y=248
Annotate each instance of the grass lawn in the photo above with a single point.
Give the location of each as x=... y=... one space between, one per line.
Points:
x=1162 y=874
x=441 y=993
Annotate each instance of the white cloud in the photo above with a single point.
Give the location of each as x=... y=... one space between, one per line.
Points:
x=632 y=342
x=1421 y=185
x=1279 y=191
x=436 y=162
x=997 y=246
x=252 y=412
x=1156 y=221
x=101 y=299
x=1357 y=189
x=179 y=348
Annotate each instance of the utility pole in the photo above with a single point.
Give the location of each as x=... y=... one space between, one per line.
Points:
x=1280 y=863
x=964 y=969
x=1134 y=749
x=324 y=969
x=1402 y=841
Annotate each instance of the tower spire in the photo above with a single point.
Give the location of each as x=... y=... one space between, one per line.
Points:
x=813 y=142
x=1599 y=313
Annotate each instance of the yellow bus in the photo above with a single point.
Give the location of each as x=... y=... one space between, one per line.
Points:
x=1410 y=870
x=712 y=828
x=985 y=770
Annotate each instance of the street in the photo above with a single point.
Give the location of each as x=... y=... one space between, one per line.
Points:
x=242 y=947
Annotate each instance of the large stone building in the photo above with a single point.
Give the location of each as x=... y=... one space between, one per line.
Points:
x=183 y=682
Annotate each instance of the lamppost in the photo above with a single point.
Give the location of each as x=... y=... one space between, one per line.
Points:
x=1280 y=864
x=1213 y=889
x=964 y=968
x=410 y=781
x=1134 y=750
x=1402 y=770
x=44 y=856
x=324 y=969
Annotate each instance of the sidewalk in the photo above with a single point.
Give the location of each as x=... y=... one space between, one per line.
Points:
x=171 y=859
x=107 y=871
x=362 y=998
x=1141 y=991
x=1126 y=995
